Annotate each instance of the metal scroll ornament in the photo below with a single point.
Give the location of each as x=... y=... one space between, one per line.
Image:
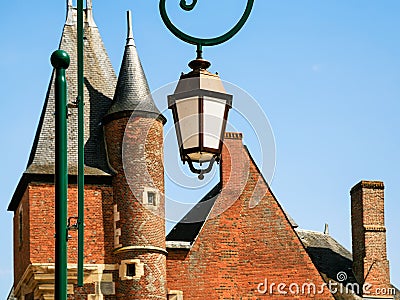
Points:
x=201 y=42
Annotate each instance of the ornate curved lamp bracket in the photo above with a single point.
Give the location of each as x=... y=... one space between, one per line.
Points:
x=188 y=7
x=201 y=42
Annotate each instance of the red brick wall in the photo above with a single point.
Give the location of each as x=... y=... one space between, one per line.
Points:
x=38 y=205
x=250 y=242
x=370 y=262
x=21 y=250
x=98 y=221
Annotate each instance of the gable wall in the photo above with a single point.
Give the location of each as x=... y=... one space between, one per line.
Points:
x=249 y=242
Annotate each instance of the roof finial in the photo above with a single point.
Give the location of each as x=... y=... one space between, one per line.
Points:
x=89 y=14
x=70 y=13
x=326 y=229
x=129 y=40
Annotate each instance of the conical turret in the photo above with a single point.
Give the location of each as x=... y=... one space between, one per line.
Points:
x=132 y=93
x=134 y=137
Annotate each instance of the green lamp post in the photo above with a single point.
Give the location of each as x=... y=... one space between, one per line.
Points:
x=60 y=61
x=200 y=104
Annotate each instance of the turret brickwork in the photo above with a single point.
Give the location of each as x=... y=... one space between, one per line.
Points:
x=138 y=189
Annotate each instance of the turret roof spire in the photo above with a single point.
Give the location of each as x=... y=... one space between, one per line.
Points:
x=132 y=93
x=129 y=40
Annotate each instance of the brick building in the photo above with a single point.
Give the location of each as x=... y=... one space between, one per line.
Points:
x=236 y=243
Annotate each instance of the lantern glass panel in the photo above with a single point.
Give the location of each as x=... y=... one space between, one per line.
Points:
x=188 y=116
x=213 y=118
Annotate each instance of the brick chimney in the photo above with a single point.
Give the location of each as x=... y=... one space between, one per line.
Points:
x=370 y=263
x=234 y=162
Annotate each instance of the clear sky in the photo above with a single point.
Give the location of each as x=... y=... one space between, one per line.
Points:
x=325 y=73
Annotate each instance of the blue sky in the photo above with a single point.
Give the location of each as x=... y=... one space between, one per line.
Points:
x=325 y=73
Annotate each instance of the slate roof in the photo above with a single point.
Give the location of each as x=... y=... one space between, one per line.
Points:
x=132 y=92
x=327 y=254
x=330 y=258
x=99 y=86
x=190 y=226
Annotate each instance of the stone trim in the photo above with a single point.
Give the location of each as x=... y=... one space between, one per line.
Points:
x=375 y=228
x=139 y=269
x=145 y=197
x=234 y=135
x=175 y=295
x=178 y=245
x=117 y=231
x=140 y=248
x=376 y=185
x=39 y=278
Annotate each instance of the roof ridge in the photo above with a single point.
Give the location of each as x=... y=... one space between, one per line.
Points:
x=311 y=231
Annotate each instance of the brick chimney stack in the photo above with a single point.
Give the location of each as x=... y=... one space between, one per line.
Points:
x=370 y=263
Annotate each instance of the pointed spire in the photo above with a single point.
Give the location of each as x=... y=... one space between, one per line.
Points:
x=132 y=93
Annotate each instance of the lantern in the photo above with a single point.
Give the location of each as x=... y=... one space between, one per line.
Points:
x=200 y=107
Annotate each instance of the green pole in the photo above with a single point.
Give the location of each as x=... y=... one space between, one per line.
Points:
x=81 y=144
x=60 y=61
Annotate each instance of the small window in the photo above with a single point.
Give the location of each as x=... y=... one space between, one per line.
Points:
x=131 y=270
x=151 y=198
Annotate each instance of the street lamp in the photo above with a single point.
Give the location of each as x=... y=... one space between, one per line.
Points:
x=200 y=107
x=200 y=104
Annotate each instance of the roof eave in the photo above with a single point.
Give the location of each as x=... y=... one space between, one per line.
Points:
x=28 y=178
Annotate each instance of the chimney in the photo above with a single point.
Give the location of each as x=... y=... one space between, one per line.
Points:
x=234 y=172
x=234 y=162
x=370 y=264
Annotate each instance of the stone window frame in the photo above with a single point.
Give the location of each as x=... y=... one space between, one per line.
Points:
x=139 y=269
x=156 y=193
x=175 y=295
x=117 y=231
